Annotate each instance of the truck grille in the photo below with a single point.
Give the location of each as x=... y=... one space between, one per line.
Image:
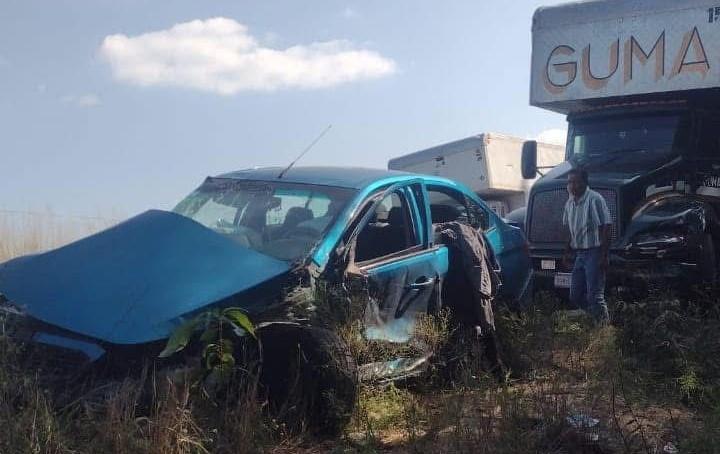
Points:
x=546 y=217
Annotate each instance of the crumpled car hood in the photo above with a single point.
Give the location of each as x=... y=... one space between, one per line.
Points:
x=130 y=283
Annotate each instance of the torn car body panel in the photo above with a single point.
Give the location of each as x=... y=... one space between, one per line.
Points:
x=672 y=232
x=400 y=292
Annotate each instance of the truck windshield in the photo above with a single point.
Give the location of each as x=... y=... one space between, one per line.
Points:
x=623 y=143
x=283 y=220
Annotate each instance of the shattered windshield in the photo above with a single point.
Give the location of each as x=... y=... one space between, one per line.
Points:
x=283 y=220
x=624 y=143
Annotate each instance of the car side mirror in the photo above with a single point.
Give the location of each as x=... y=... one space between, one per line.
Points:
x=529 y=160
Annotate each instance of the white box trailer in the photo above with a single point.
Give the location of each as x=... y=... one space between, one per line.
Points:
x=487 y=163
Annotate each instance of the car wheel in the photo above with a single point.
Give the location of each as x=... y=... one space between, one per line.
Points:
x=310 y=376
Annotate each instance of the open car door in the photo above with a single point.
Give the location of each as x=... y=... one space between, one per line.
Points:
x=392 y=254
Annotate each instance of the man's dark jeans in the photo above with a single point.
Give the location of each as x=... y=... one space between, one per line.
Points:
x=587 y=288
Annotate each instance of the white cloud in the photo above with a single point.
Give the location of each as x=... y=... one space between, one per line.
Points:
x=41 y=89
x=349 y=13
x=219 y=55
x=553 y=136
x=86 y=100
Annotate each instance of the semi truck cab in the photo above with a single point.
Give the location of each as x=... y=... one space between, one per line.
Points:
x=639 y=83
x=658 y=168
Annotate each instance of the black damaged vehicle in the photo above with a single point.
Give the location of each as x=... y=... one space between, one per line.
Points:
x=658 y=169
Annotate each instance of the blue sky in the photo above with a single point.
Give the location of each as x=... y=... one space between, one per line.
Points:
x=114 y=107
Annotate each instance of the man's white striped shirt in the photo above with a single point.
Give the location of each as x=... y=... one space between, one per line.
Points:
x=584 y=218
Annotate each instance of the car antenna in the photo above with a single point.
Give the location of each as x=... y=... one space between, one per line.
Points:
x=312 y=144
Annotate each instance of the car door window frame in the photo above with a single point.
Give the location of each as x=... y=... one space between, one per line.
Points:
x=418 y=212
x=410 y=228
x=418 y=193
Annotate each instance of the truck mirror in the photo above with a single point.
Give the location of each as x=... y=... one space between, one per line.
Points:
x=529 y=160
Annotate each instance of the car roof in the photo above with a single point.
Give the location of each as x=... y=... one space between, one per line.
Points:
x=344 y=177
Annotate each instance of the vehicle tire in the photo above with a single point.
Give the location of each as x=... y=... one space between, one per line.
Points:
x=707 y=260
x=310 y=376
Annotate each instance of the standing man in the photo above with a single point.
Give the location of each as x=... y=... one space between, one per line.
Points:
x=588 y=218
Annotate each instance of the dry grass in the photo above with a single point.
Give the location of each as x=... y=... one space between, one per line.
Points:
x=30 y=233
x=430 y=334
x=562 y=367
x=146 y=415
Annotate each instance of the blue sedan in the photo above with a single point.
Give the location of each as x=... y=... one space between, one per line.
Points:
x=244 y=239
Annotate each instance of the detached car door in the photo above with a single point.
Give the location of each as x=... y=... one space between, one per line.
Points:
x=392 y=254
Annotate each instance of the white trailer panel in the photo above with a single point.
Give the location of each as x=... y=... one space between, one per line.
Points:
x=489 y=164
x=618 y=48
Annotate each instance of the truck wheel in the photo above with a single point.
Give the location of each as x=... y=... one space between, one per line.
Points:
x=707 y=261
x=310 y=376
